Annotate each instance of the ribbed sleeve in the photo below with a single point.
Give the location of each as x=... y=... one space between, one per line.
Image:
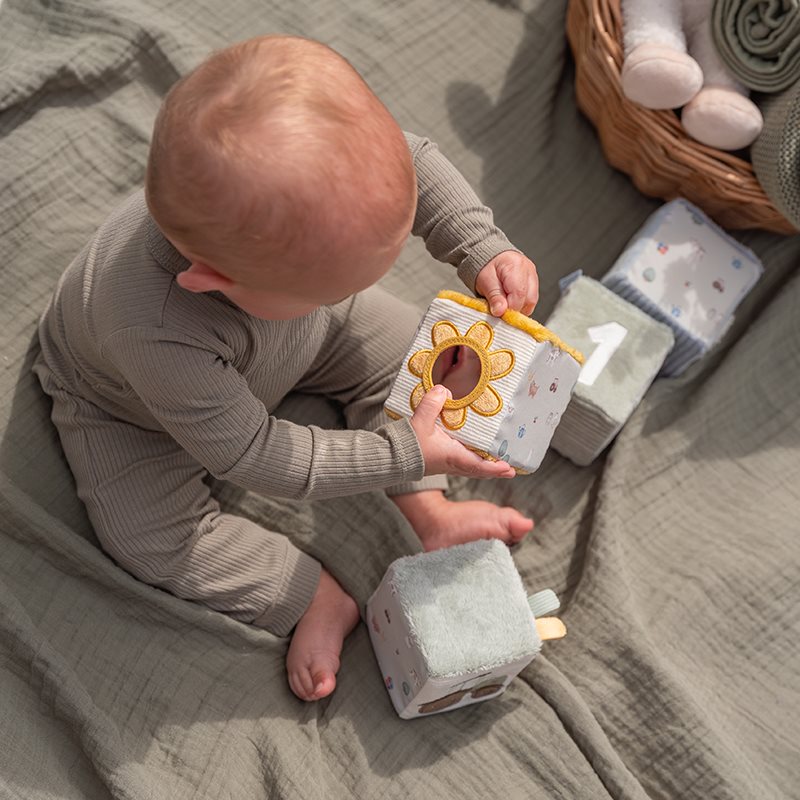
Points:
x=205 y=404
x=457 y=228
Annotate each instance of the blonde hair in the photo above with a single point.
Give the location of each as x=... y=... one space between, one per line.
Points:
x=252 y=150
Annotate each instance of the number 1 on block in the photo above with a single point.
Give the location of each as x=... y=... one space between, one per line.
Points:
x=608 y=337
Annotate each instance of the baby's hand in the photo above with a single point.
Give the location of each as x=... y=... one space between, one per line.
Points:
x=509 y=280
x=441 y=452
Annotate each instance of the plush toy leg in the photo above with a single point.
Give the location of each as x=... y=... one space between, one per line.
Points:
x=720 y=115
x=657 y=71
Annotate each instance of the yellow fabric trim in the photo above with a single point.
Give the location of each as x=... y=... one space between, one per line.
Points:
x=501 y=363
x=417 y=362
x=454 y=418
x=516 y=319
x=442 y=331
x=488 y=404
x=481 y=332
x=417 y=393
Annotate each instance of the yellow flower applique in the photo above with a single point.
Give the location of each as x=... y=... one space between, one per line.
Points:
x=483 y=399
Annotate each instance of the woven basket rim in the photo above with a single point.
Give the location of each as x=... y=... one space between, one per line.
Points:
x=651 y=146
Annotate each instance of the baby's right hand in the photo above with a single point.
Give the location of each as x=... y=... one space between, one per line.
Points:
x=441 y=452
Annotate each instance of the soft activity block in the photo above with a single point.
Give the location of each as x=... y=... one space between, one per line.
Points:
x=685 y=271
x=625 y=348
x=454 y=626
x=510 y=378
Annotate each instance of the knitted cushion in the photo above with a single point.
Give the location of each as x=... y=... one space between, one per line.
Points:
x=776 y=152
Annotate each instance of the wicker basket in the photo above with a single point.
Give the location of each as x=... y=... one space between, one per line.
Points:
x=651 y=146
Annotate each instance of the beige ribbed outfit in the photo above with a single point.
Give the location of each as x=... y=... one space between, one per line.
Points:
x=155 y=387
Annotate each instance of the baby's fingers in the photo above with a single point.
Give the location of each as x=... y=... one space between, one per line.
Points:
x=429 y=408
x=490 y=286
x=465 y=462
x=531 y=295
x=520 y=281
x=515 y=286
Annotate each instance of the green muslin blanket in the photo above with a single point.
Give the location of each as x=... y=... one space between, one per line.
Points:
x=759 y=41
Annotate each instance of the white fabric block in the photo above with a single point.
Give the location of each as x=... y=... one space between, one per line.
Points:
x=685 y=271
x=624 y=348
x=526 y=380
x=453 y=627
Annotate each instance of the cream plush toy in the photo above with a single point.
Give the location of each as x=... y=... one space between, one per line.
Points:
x=659 y=73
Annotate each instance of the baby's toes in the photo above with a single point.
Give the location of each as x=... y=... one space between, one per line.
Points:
x=516 y=525
x=302 y=684
x=324 y=683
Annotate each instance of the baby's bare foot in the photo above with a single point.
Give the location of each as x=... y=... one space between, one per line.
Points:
x=313 y=658
x=470 y=520
x=441 y=523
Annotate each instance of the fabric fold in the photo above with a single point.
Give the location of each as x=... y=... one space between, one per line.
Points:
x=759 y=41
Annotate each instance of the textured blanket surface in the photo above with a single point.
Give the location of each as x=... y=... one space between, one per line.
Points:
x=676 y=556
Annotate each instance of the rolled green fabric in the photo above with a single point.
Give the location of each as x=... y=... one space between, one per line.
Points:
x=759 y=41
x=776 y=152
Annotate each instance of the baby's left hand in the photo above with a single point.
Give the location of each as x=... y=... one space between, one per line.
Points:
x=509 y=280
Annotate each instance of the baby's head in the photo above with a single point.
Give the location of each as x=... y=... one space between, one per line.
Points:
x=282 y=178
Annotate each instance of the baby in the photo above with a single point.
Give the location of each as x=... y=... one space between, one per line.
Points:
x=278 y=191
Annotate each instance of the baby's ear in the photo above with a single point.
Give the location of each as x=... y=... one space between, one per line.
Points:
x=202 y=278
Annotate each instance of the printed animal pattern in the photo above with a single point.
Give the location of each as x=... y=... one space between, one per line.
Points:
x=538 y=403
x=691 y=271
x=478 y=690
